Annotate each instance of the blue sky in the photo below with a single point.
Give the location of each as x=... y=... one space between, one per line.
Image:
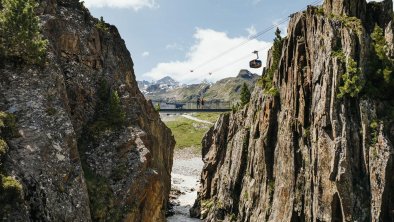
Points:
x=170 y=37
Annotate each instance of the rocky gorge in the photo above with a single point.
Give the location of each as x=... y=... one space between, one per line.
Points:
x=79 y=142
x=315 y=142
x=85 y=144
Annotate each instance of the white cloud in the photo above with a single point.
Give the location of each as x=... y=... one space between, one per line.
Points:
x=251 y=31
x=145 y=54
x=175 y=46
x=210 y=43
x=134 y=4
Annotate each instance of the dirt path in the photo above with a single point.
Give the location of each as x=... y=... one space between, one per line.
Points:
x=185 y=180
x=196 y=119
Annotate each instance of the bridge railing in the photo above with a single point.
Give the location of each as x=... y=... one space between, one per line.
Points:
x=193 y=105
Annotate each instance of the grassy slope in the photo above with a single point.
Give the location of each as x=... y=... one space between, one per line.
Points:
x=189 y=133
x=228 y=89
x=211 y=117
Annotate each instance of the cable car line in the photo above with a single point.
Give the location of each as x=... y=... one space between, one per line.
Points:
x=236 y=61
x=246 y=41
x=230 y=63
x=256 y=36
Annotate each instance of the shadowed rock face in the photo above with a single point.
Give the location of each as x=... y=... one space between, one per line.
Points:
x=305 y=155
x=352 y=8
x=69 y=171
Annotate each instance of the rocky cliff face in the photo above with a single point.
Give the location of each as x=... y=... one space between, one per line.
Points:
x=73 y=163
x=308 y=153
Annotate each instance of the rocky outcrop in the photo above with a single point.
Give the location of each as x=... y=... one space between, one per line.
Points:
x=307 y=153
x=351 y=8
x=72 y=164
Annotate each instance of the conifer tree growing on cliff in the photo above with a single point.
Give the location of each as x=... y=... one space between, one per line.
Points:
x=20 y=36
x=382 y=76
x=380 y=73
x=278 y=41
x=117 y=116
x=245 y=95
x=101 y=25
x=267 y=80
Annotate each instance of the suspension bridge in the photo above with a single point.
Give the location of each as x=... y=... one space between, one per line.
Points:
x=191 y=107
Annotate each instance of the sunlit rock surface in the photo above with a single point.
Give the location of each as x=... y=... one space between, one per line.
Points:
x=69 y=171
x=305 y=154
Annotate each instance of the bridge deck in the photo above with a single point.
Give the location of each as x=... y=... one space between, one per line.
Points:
x=193 y=110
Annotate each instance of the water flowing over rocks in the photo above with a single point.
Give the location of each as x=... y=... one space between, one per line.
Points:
x=306 y=154
x=70 y=170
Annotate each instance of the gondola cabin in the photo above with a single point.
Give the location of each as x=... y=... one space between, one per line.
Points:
x=255 y=64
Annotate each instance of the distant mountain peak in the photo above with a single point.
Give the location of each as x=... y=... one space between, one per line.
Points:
x=168 y=81
x=162 y=85
x=245 y=74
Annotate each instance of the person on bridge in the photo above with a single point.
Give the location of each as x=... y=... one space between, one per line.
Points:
x=198 y=102
x=202 y=103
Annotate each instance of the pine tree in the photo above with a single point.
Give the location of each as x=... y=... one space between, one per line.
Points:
x=267 y=80
x=116 y=114
x=245 y=95
x=278 y=42
x=20 y=31
x=101 y=25
x=380 y=46
x=103 y=93
x=380 y=72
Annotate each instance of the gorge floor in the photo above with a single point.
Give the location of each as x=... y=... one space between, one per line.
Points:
x=184 y=183
x=188 y=131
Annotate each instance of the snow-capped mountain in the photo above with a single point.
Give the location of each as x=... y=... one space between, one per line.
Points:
x=168 y=81
x=143 y=85
x=160 y=86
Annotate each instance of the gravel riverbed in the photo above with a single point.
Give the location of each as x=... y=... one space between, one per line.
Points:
x=185 y=181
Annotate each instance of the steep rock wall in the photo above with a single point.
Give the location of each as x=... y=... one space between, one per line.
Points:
x=70 y=167
x=305 y=154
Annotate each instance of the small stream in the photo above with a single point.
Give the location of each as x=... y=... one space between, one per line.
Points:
x=185 y=181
